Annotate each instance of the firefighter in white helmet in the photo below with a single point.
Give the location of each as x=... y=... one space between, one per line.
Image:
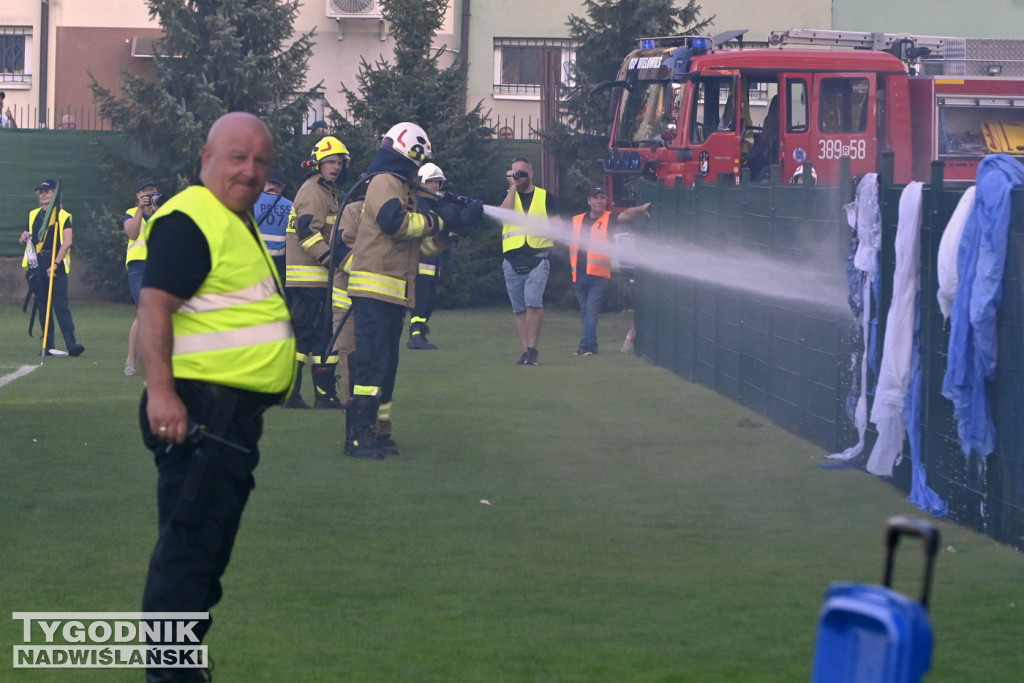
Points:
x=432 y=177
x=307 y=251
x=391 y=234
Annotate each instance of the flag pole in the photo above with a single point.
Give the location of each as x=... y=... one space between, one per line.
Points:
x=53 y=262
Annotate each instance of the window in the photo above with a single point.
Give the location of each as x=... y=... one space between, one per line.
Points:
x=518 y=63
x=714 y=108
x=796 y=106
x=15 y=54
x=843 y=105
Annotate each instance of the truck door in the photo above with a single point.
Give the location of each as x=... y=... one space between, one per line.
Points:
x=843 y=116
x=797 y=145
x=714 y=125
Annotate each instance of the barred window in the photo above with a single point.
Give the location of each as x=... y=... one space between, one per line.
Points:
x=15 y=51
x=517 y=64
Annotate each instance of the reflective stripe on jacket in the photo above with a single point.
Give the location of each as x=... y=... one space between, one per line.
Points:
x=515 y=236
x=596 y=245
x=235 y=330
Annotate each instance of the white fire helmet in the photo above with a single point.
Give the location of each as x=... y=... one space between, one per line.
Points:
x=430 y=171
x=409 y=140
x=798 y=175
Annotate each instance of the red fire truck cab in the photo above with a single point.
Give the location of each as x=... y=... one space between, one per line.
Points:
x=686 y=109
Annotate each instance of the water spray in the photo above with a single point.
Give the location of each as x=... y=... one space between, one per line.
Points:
x=733 y=267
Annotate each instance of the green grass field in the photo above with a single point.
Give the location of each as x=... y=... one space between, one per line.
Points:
x=639 y=528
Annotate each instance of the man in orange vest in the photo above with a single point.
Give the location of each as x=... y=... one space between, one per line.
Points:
x=590 y=256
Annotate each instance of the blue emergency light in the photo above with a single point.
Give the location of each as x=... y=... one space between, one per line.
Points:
x=698 y=44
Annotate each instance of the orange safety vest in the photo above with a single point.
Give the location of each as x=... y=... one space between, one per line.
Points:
x=598 y=261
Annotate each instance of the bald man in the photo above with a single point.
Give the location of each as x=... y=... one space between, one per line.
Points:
x=216 y=345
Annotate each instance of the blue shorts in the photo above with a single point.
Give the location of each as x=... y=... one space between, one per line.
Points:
x=135 y=270
x=526 y=291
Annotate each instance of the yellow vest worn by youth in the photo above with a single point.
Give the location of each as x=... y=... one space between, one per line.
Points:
x=136 y=247
x=60 y=218
x=597 y=246
x=515 y=236
x=235 y=330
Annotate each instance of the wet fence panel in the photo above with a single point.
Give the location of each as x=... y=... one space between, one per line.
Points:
x=791 y=360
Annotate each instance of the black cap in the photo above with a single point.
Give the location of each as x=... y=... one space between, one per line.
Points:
x=318 y=124
x=143 y=183
x=598 y=190
x=276 y=176
x=48 y=184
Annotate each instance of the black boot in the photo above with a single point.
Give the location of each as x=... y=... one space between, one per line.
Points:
x=295 y=400
x=74 y=348
x=418 y=337
x=326 y=387
x=360 y=419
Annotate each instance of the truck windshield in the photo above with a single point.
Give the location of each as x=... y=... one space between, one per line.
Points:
x=646 y=113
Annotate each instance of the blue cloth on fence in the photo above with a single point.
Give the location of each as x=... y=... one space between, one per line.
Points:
x=981 y=260
x=921 y=494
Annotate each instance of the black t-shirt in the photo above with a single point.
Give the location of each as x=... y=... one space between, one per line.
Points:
x=51 y=234
x=526 y=198
x=177 y=256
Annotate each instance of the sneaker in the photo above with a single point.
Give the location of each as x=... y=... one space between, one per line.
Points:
x=56 y=352
x=531 y=356
x=75 y=349
x=129 y=370
x=584 y=351
x=524 y=359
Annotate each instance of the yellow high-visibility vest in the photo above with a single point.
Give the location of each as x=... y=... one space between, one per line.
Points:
x=60 y=218
x=514 y=236
x=136 y=247
x=235 y=330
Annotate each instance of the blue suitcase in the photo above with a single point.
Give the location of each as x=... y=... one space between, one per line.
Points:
x=872 y=634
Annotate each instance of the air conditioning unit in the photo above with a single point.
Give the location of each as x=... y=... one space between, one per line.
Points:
x=353 y=9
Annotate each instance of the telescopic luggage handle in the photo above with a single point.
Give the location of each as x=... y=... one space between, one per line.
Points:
x=895 y=527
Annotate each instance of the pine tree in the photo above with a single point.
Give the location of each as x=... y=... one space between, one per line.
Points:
x=414 y=86
x=216 y=56
x=610 y=31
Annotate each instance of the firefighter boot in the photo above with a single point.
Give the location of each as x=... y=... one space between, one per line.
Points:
x=325 y=386
x=295 y=400
x=360 y=441
x=74 y=348
x=418 y=337
x=383 y=432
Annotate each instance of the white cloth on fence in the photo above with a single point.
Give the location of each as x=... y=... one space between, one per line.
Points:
x=887 y=411
x=864 y=217
x=949 y=247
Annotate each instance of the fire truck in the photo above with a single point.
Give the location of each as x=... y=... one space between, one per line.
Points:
x=688 y=108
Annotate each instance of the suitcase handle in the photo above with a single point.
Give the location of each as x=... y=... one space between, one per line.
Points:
x=895 y=527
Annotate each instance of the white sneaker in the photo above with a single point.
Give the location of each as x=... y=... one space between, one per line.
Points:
x=56 y=352
x=129 y=370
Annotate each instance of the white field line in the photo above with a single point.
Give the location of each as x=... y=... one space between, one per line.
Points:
x=20 y=372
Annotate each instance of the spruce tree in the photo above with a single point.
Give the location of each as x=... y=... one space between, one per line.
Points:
x=414 y=86
x=216 y=56
x=610 y=31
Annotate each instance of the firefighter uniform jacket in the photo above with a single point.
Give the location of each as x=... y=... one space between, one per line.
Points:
x=308 y=237
x=349 y=225
x=386 y=258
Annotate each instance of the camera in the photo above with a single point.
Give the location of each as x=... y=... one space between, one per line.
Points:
x=519 y=175
x=155 y=199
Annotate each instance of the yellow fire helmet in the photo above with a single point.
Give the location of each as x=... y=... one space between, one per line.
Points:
x=327 y=147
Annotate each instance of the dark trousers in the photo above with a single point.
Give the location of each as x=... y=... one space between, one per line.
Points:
x=202 y=488
x=311 y=319
x=379 y=328
x=40 y=284
x=426 y=296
